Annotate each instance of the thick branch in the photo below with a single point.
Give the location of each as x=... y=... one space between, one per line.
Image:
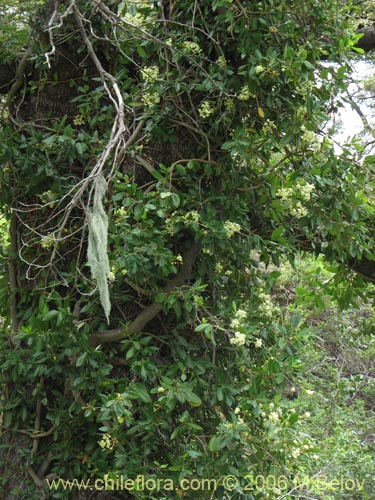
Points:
x=364 y=267
x=152 y=310
x=12 y=270
x=367 y=42
x=7 y=75
x=20 y=75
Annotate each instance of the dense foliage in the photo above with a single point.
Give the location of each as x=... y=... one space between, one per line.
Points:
x=186 y=145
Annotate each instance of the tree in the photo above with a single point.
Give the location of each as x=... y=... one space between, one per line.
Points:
x=159 y=159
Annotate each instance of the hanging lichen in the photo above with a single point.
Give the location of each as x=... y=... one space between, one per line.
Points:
x=97 y=255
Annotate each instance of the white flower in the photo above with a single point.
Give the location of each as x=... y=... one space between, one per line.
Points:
x=231 y=228
x=106 y=442
x=285 y=193
x=192 y=48
x=150 y=98
x=235 y=323
x=239 y=339
x=205 y=110
x=241 y=314
x=274 y=417
x=221 y=61
x=219 y=269
x=111 y=277
x=259 y=343
x=306 y=191
x=259 y=69
x=48 y=241
x=191 y=216
x=245 y=94
x=150 y=73
x=298 y=210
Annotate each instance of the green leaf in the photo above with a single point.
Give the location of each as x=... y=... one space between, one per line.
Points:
x=80 y=147
x=193 y=399
x=276 y=235
x=138 y=391
x=51 y=314
x=217 y=443
x=80 y=361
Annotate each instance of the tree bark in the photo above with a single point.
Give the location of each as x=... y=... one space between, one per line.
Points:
x=367 y=41
x=7 y=76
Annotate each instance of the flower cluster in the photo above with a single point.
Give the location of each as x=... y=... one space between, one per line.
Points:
x=178 y=259
x=302 y=190
x=169 y=224
x=107 y=442
x=111 y=276
x=235 y=323
x=120 y=214
x=269 y=126
x=285 y=193
x=239 y=339
x=266 y=306
x=150 y=99
x=259 y=69
x=298 y=210
x=229 y=104
x=311 y=139
x=306 y=190
x=301 y=112
x=245 y=94
x=258 y=343
x=274 y=415
x=221 y=61
x=48 y=241
x=231 y=228
x=137 y=19
x=150 y=74
x=192 y=48
x=306 y=88
x=78 y=120
x=219 y=267
x=191 y=216
x=206 y=109
x=241 y=314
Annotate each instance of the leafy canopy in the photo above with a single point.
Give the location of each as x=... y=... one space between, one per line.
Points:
x=207 y=121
